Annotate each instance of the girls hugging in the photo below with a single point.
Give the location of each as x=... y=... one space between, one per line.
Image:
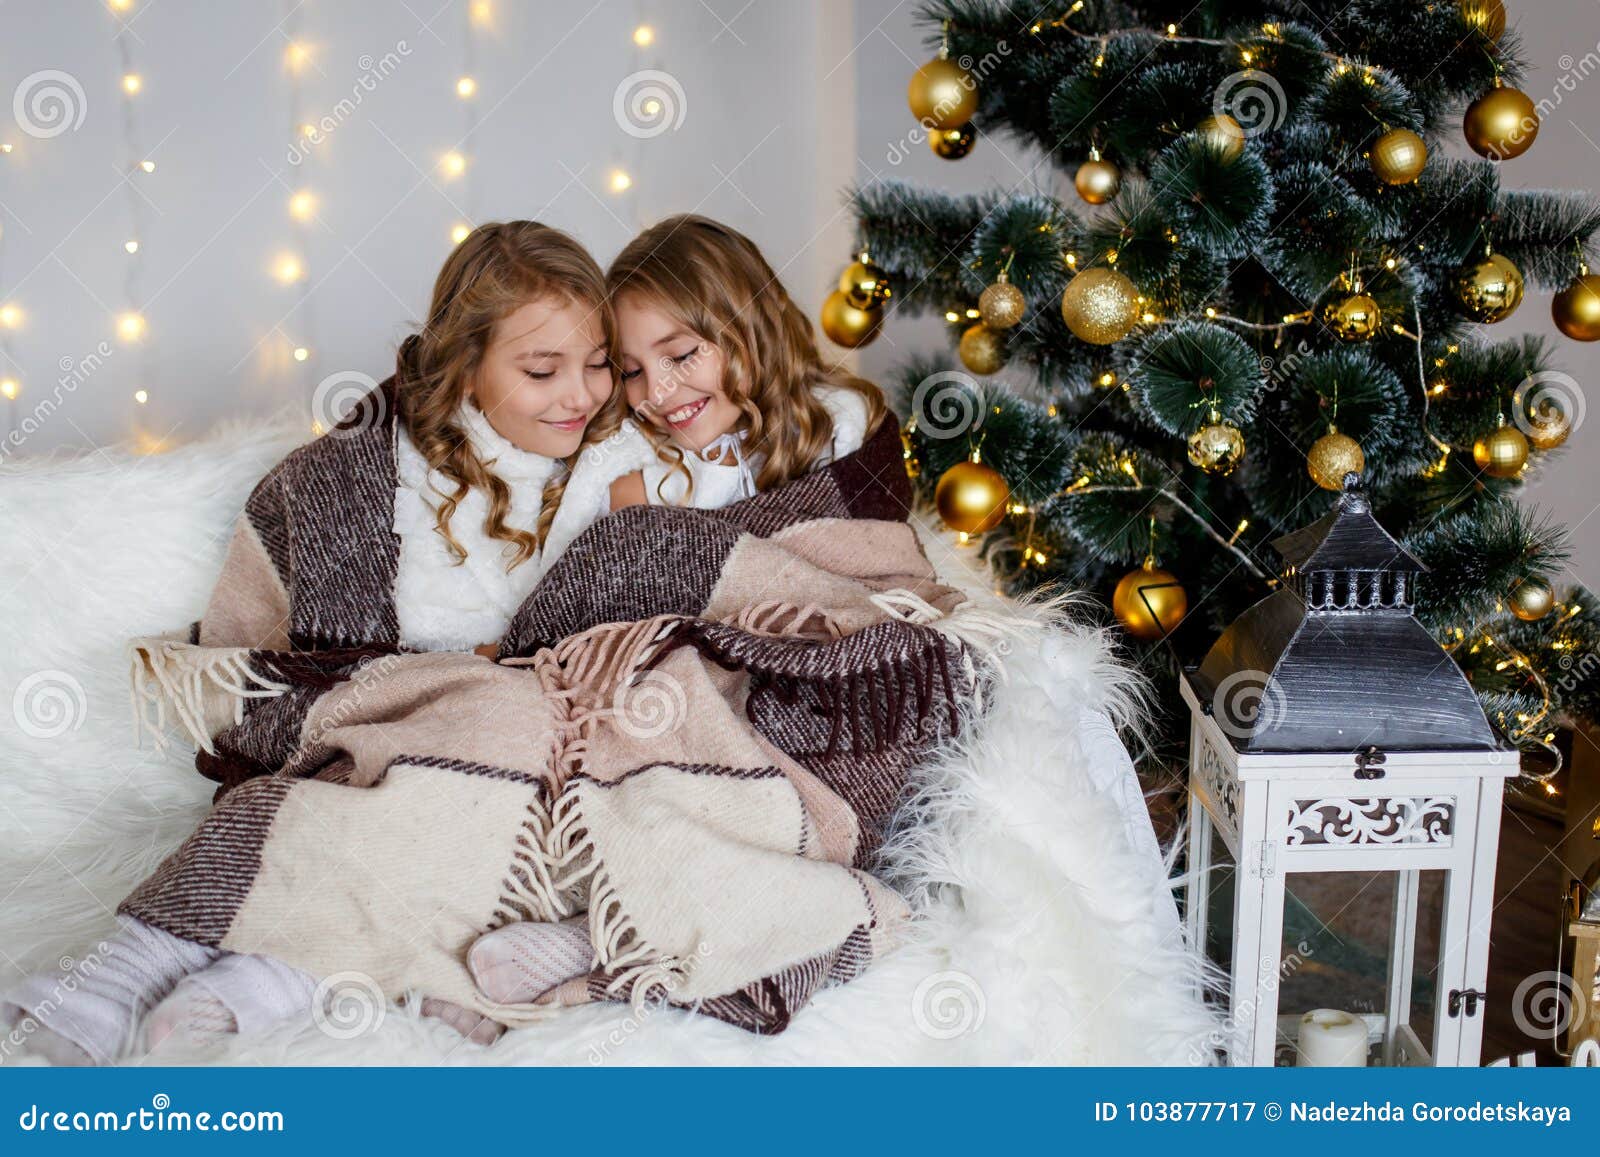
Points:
x=587 y=659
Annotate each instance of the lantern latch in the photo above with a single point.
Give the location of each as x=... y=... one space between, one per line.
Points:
x=1368 y=763
x=1465 y=999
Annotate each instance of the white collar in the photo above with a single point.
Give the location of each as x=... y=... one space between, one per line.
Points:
x=501 y=455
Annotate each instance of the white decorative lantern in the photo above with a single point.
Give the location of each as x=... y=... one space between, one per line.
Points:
x=1345 y=787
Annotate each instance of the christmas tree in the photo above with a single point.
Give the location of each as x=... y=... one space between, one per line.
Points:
x=1269 y=275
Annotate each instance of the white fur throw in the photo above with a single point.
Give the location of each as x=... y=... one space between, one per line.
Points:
x=1048 y=932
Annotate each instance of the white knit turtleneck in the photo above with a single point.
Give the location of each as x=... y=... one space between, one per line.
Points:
x=443 y=606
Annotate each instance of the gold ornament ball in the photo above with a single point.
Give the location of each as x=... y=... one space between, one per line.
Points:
x=1576 y=309
x=1224 y=134
x=971 y=497
x=1217 y=448
x=865 y=285
x=1100 y=306
x=1149 y=602
x=1502 y=453
x=1532 y=600
x=1353 y=318
x=943 y=95
x=1333 y=456
x=1548 y=425
x=1097 y=180
x=1487 y=16
x=1002 y=305
x=1398 y=157
x=1490 y=290
x=982 y=350
x=1501 y=124
x=846 y=325
x=953 y=144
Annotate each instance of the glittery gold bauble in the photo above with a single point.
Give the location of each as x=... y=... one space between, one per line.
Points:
x=1501 y=124
x=1548 y=422
x=1491 y=289
x=1100 y=306
x=1002 y=305
x=1532 y=599
x=982 y=350
x=864 y=284
x=943 y=95
x=845 y=324
x=953 y=144
x=1487 y=16
x=1353 y=318
x=1577 y=309
x=1398 y=157
x=1217 y=447
x=1502 y=453
x=908 y=453
x=1149 y=602
x=1097 y=180
x=1223 y=134
x=971 y=497
x=1332 y=456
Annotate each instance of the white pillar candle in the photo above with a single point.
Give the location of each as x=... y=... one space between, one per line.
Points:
x=1332 y=1039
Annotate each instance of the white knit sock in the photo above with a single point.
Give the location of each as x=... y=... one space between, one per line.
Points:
x=240 y=993
x=96 y=1004
x=521 y=962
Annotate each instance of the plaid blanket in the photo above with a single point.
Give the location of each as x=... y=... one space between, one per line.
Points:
x=696 y=733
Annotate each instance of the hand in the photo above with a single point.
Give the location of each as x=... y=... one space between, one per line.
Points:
x=490 y=651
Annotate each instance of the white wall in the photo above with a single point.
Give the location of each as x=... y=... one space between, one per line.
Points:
x=765 y=143
x=1557 y=35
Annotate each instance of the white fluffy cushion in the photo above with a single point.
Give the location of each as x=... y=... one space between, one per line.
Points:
x=1049 y=933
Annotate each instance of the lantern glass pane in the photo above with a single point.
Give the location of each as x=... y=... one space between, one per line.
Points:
x=1366 y=944
x=1220 y=882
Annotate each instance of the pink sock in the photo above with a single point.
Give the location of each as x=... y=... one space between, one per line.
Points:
x=241 y=993
x=521 y=962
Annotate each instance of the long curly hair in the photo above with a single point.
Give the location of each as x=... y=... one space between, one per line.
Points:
x=495 y=271
x=715 y=283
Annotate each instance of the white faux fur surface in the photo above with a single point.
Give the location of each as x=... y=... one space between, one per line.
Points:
x=1047 y=935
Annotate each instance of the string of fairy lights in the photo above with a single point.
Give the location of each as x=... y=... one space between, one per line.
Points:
x=295 y=335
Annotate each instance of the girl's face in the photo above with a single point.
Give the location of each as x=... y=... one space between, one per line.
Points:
x=543 y=376
x=673 y=377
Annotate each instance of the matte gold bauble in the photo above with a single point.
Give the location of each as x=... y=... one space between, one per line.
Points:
x=1100 y=306
x=846 y=325
x=943 y=95
x=1487 y=16
x=1532 y=600
x=864 y=284
x=1398 y=157
x=1097 y=180
x=1217 y=447
x=1489 y=290
x=1332 y=456
x=1002 y=305
x=1501 y=124
x=982 y=350
x=1576 y=309
x=1223 y=134
x=1502 y=453
x=953 y=144
x=971 y=497
x=1353 y=318
x=1149 y=602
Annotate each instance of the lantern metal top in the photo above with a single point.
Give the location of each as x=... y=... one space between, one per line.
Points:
x=1334 y=660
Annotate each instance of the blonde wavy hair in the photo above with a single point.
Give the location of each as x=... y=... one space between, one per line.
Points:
x=497 y=270
x=714 y=282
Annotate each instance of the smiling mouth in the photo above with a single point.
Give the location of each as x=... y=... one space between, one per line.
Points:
x=565 y=424
x=685 y=415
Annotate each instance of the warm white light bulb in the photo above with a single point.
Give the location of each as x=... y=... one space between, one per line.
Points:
x=132 y=83
x=130 y=326
x=7 y=147
x=288 y=268
x=9 y=387
x=10 y=316
x=482 y=11
x=120 y=5
x=131 y=246
x=296 y=56
x=466 y=87
x=301 y=353
x=148 y=166
x=620 y=181
x=644 y=36
x=302 y=205
x=141 y=396
x=453 y=164
x=459 y=232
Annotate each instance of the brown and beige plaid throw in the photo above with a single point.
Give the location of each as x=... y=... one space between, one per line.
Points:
x=699 y=727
